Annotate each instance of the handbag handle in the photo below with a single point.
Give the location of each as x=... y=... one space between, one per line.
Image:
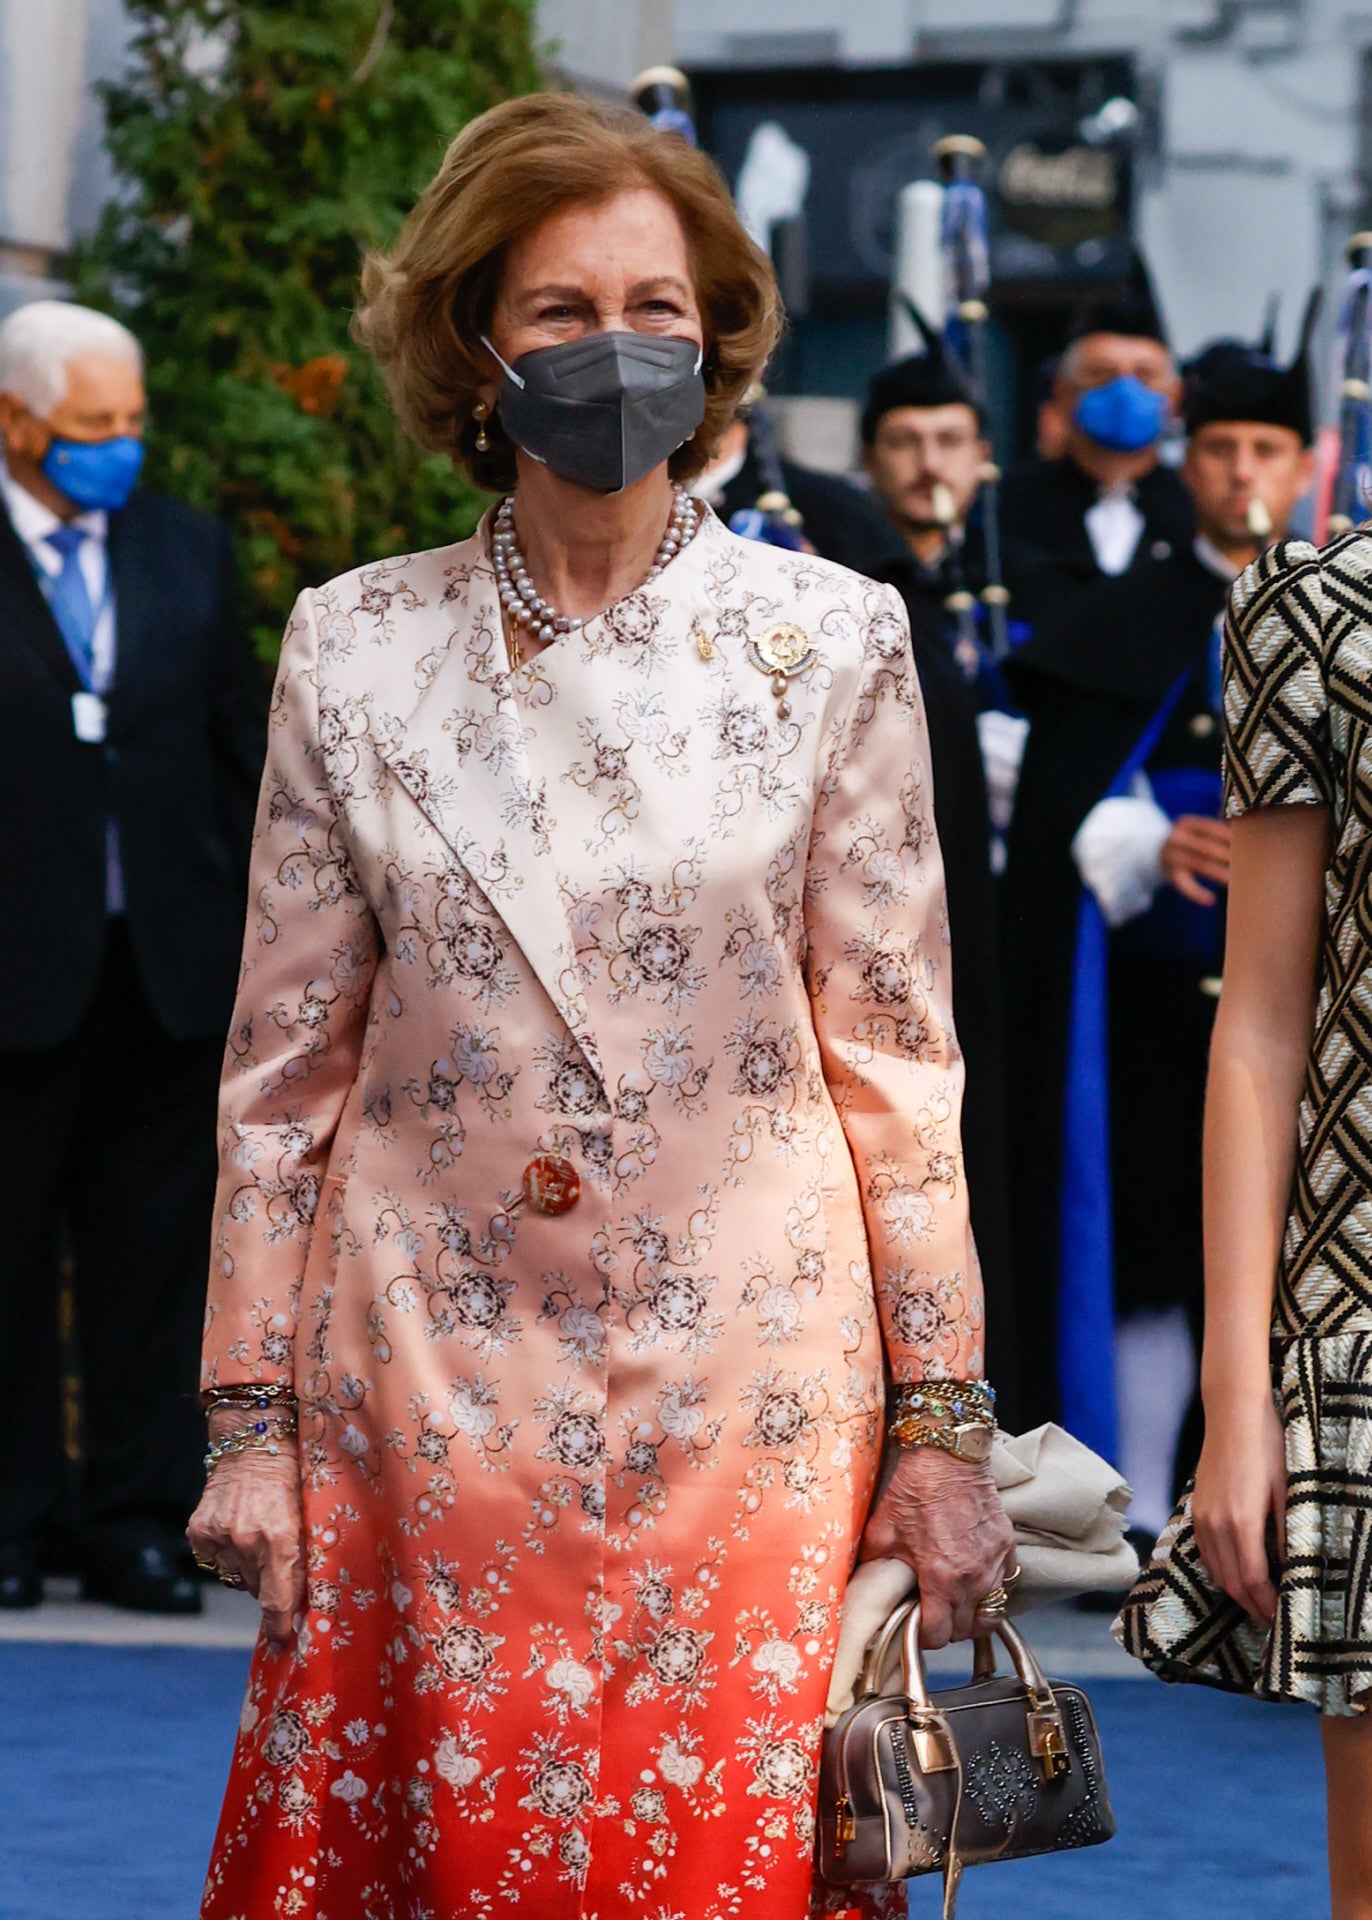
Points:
x=880 y=1647
x=1031 y=1674
x=904 y=1620
x=1047 y=1736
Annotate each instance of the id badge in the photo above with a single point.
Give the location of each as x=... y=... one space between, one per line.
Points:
x=88 y=716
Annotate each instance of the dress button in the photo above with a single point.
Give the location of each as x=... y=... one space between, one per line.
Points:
x=552 y=1185
x=1203 y=725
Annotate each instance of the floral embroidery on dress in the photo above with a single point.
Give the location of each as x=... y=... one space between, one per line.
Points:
x=581 y=1489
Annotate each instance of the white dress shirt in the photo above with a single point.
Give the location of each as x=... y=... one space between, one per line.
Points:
x=1114 y=527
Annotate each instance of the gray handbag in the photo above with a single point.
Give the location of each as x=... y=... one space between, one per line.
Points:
x=911 y=1782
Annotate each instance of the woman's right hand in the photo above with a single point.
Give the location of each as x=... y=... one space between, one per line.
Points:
x=1240 y=1493
x=249 y=1523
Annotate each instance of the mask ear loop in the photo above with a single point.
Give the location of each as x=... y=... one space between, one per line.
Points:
x=700 y=362
x=504 y=364
x=519 y=381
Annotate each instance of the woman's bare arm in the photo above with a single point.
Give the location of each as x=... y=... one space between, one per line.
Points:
x=1257 y=1072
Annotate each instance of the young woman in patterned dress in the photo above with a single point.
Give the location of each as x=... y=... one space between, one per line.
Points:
x=1263 y=1580
x=590 y=1119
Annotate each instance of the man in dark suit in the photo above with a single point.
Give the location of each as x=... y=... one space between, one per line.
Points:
x=1114 y=933
x=1106 y=502
x=925 y=450
x=130 y=751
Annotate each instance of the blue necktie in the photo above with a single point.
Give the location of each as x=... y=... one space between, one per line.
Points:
x=70 y=600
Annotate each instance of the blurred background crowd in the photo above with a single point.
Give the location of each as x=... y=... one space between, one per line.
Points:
x=1070 y=325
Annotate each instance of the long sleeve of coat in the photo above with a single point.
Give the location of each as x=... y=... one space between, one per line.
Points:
x=881 y=987
x=309 y=955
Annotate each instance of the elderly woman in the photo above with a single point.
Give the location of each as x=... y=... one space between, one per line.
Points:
x=590 y=1123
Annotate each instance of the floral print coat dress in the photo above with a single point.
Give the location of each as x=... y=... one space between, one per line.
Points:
x=581 y=1490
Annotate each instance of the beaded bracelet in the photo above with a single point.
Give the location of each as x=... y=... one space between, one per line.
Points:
x=943 y=1399
x=261 y=1436
x=920 y=1412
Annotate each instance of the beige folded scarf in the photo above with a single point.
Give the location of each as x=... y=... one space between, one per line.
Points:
x=1067 y=1507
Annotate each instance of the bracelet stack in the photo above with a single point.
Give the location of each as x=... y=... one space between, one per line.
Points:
x=958 y=1416
x=249 y=1393
x=261 y=1436
x=272 y=1418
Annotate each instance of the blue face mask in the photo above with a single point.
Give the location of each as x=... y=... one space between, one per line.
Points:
x=95 y=474
x=1123 y=415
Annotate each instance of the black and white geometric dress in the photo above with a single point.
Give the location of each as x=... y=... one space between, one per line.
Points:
x=1298 y=732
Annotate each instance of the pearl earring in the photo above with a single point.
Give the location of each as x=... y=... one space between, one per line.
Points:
x=479 y=413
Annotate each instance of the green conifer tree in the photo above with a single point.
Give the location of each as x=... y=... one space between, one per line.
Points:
x=261 y=148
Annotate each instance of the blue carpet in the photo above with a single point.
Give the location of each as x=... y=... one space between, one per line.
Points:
x=1220 y=1804
x=112 y=1761
x=112 y=1765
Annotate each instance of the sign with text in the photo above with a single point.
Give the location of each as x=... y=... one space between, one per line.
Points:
x=1061 y=203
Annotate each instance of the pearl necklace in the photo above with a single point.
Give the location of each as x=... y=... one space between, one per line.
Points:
x=527 y=608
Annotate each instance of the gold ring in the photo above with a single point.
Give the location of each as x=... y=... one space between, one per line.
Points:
x=205 y=1566
x=996 y=1602
x=235 y=1580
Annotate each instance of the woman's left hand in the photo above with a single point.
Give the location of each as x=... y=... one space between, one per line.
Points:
x=943 y=1517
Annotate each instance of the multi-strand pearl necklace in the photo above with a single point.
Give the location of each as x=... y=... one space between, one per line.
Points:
x=526 y=606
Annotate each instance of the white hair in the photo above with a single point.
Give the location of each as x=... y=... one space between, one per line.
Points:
x=38 y=342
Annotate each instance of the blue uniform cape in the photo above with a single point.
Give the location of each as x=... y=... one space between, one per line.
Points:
x=1175 y=928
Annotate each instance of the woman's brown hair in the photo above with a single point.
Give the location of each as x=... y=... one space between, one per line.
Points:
x=426 y=304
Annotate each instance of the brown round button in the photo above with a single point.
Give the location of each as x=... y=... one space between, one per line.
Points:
x=551 y=1184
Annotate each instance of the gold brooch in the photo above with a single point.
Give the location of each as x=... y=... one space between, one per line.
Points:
x=705 y=646
x=781 y=651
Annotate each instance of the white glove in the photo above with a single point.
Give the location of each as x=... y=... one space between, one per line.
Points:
x=1002 y=737
x=1118 y=851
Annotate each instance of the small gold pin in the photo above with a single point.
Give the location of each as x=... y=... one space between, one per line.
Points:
x=705 y=646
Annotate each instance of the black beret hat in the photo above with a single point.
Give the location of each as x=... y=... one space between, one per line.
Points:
x=933 y=377
x=1231 y=380
x=1131 y=311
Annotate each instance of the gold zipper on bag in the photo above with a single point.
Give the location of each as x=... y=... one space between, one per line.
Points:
x=845 y=1825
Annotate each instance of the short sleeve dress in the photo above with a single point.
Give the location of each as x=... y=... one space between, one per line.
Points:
x=1298 y=732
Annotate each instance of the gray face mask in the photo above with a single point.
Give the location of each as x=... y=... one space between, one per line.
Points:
x=604 y=410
